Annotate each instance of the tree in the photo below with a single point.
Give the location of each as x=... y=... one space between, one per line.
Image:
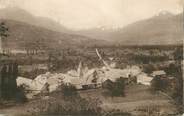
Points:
x=159 y=84
x=3 y=34
x=116 y=88
x=178 y=56
x=69 y=91
x=34 y=46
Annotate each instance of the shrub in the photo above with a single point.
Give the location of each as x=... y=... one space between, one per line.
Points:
x=20 y=95
x=68 y=91
x=159 y=84
x=177 y=95
x=115 y=88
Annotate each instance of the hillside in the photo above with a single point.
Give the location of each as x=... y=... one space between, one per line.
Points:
x=21 y=15
x=23 y=35
x=161 y=29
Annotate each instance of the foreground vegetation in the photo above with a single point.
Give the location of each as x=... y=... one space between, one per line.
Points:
x=139 y=101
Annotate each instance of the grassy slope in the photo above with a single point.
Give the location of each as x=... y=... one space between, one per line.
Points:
x=136 y=96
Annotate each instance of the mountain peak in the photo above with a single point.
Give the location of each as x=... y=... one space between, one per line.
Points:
x=164 y=14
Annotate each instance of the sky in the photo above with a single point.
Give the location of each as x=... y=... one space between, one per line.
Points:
x=84 y=14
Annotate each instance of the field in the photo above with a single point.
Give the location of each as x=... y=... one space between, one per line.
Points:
x=137 y=97
x=148 y=57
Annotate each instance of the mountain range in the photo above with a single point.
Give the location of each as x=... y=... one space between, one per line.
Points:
x=162 y=29
x=25 y=28
x=23 y=35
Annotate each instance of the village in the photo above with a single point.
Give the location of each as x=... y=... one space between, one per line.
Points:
x=94 y=81
x=83 y=78
x=91 y=58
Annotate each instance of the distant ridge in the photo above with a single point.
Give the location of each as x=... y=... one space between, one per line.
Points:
x=21 y=34
x=162 y=29
x=21 y=15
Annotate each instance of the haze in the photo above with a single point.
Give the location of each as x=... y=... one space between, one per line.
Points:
x=84 y=14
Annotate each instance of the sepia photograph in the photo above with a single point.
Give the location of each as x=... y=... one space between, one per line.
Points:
x=91 y=57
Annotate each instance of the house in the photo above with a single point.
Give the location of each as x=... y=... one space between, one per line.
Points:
x=159 y=73
x=144 y=79
x=113 y=74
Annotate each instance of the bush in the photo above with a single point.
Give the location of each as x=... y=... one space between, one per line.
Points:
x=175 y=70
x=177 y=95
x=20 y=95
x=116 y=88
x=68 y=91
x=149 y=68
x=159 y=84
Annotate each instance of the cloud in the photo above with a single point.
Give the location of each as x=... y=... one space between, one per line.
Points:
x=81 y=14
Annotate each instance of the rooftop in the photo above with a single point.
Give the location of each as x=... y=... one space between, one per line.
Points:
x=158 y=73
